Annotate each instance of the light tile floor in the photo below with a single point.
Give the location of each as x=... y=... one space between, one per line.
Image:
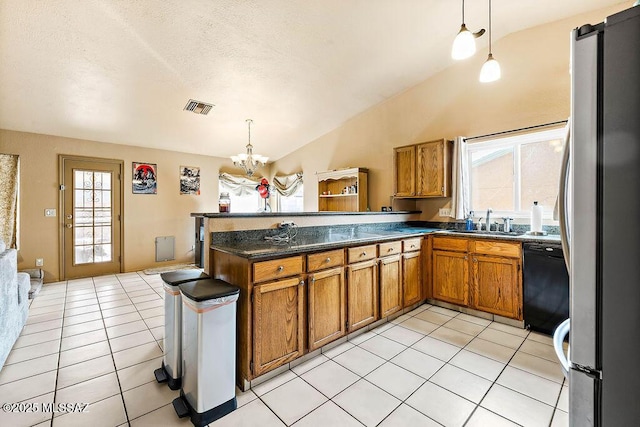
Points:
x=98 y=340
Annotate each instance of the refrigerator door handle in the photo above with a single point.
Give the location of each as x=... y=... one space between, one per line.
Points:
x=562 y=196
x=558 y=339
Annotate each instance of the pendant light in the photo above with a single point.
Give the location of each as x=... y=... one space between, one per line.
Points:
x=249 y=161
x=464 y=45
x=490 y=71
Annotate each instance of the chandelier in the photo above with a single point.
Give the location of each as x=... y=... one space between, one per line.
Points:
x=249 y=161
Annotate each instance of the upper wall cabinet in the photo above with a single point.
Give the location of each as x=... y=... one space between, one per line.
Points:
x=423 y=170
x=343 y=190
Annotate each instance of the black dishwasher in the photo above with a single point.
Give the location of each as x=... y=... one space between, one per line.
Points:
x=546 y=287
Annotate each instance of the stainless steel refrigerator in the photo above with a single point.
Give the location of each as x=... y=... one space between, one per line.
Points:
x=600 y=223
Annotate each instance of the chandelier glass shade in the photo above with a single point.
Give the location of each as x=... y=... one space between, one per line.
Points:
x=249 y=161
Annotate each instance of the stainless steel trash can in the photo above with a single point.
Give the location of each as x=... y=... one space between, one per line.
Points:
x=208 y=350
x=171 y=369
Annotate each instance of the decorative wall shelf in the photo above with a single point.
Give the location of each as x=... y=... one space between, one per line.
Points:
x=343 y=190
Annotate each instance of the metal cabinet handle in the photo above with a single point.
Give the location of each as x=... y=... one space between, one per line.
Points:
x=390 y=250
x=328 y=260
x=280 y=268
x=363 y=254
x=301 y=283
x=69 y=225
x=466 y=257
x=69 y=216
x=413 y=246
x=313 y=280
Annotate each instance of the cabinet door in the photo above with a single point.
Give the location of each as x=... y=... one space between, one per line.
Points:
x=411 y=278
x=405 y=171
x=450 y=277
x=390 y=285
x=278 y=323
x=327 y=307
x=497 y=285
x=362 y=294
x=430 y=169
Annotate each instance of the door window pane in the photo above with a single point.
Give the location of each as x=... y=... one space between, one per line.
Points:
x=92 y=217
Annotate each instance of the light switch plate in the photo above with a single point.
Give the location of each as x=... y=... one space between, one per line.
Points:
x=39 y=262
x=444 y=212
x=49 y=212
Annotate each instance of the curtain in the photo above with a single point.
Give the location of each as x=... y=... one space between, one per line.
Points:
x=9 y=172
x=238 y=185
x=287 y=185
x=460 y=197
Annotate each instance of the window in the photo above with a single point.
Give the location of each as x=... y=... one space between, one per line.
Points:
x=509 y=174
x=292 y=203
x=246 y=203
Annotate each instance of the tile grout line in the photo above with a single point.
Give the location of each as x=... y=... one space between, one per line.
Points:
x=55 y=385
x=115 y=370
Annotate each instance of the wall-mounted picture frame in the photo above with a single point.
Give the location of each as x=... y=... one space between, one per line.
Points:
x=144 y=179
x=190 y=180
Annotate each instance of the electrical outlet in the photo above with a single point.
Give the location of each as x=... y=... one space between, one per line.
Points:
x=39 y=262
x=49 y=212
x=444 y=212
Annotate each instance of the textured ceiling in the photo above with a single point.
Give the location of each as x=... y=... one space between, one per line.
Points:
x=121 y=71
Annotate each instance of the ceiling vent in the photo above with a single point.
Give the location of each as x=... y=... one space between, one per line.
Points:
x=198 y=107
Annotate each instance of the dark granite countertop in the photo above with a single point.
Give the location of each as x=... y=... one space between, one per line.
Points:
x=290 y=214
x=256 y=249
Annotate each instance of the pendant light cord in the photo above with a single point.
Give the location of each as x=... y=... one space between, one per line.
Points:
x=489 y=27
x=462 y=12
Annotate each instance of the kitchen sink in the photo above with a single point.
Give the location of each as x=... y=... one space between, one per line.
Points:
x=488 y=233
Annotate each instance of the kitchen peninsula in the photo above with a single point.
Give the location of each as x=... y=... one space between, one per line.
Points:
x=310 y=279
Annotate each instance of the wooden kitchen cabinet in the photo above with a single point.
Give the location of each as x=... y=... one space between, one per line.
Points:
x=450 y=277
x=362 y=294
x=423 y=170
x=390 y=276
x=405 y=171
x=497 y=277
x=479 y=273
x=411 y=272
x=496 y=284
x=327 y=307
x=278 y=323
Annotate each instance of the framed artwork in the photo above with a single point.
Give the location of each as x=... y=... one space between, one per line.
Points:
x=144 y=179
x=189 y=180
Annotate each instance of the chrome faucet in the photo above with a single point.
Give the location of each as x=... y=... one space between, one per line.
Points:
x=489 y=212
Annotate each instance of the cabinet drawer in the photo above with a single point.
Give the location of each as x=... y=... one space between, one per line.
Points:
x=411 y=245
x=323 y=260
x=390 y=248
x=491 y=247
x=361 y=253
x=277 y=268
x=450 y=244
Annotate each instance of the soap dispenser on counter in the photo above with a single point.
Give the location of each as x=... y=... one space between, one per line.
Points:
x=469 y=221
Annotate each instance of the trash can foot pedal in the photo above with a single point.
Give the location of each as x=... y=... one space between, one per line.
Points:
x=161 y=375
x=180 y=407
